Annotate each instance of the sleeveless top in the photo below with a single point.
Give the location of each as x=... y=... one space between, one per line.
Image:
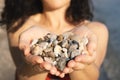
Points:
x=52 y=77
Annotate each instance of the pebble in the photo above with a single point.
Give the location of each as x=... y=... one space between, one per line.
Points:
x=59 y=49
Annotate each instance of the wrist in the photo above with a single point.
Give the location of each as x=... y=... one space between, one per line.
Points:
x=85 y=74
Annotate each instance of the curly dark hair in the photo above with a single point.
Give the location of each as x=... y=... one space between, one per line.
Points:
x=21 y=10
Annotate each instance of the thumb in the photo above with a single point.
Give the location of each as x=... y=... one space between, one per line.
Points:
x=92 y=44
x=24 y=45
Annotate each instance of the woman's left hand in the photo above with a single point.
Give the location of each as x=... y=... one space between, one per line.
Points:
x=82 y=61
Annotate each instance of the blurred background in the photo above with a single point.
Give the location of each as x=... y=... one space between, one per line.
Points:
x=105 y=11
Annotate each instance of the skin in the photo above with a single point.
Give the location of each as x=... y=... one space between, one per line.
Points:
x=85 y=66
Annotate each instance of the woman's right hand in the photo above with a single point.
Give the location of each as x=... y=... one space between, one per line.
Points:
x=25 y=40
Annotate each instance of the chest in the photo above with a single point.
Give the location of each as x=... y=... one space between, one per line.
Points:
x=14 y=37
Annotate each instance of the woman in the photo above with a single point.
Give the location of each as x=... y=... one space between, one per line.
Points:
x=27 y=20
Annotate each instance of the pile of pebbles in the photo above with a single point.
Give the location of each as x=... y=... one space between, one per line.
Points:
x=59 y=49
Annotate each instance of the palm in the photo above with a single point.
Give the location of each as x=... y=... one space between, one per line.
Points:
x=82 y=60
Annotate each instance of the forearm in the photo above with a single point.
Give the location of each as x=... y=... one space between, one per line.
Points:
x=28 y=73
x=33 y=77
x=91 y=72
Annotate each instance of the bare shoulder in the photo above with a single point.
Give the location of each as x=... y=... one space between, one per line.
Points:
x=102 y=34
x=98 y=28
x=32 y=20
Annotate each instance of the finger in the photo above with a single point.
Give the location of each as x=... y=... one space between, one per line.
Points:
x=71 y=63
x=27 y=51
x=92 y=44
x=57 y=73
x=38 y=68
x=79 y=66
x=86 y=58
x=33 y=59
x=53 y=70
x=71 y=70
x=67 y=70
x=25 y=47
x=62 y=75
x=47 y=65
x=76 y=65
x=23 y=44
x=24 y=41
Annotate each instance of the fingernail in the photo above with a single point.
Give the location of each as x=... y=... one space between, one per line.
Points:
x=39 y=61
x=77 y=59
x=71 y=64
x=62 y=75
x=52 y=72
x=58 y=73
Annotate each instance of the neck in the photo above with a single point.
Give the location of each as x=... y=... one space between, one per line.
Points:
x=54 y=18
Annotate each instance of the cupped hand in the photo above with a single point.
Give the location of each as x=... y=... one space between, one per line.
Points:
x=25 y=40
x=82 y=61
